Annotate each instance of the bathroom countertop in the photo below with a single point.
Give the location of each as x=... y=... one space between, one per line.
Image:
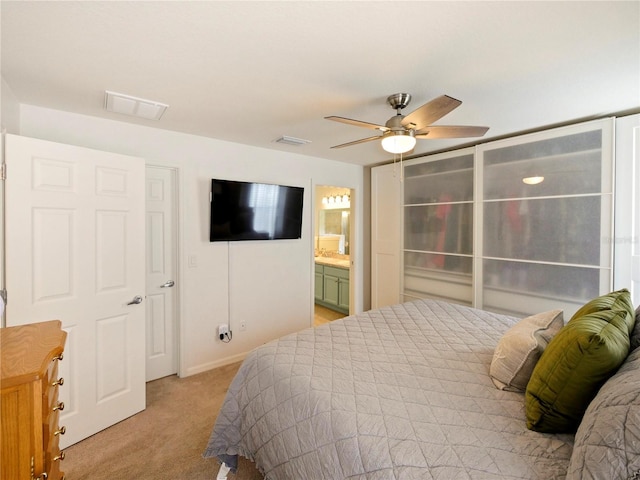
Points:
x=334 y=262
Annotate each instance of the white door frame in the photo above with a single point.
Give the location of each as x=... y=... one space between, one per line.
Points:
x=352 y=244
x=626 y=238
x=2 y=227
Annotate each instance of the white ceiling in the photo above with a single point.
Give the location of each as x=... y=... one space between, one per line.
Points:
x=250 y=72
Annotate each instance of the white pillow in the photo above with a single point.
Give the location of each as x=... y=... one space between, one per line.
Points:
x=520 y=348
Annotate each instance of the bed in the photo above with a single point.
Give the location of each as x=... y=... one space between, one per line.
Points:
x=401 y=392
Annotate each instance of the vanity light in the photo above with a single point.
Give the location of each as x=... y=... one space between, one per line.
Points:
x=533 y=180
x=338 y=200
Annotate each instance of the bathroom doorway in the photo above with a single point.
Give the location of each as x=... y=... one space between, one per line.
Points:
x=332 y=253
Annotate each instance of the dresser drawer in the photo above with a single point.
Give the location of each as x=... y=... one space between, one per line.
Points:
x=50 y=427
x=52 y=371
x=53 y=456
x=50 y=388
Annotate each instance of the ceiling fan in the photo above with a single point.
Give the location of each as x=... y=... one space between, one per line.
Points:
x=400 y=132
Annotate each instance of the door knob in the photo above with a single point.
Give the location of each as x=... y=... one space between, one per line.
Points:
x=169 y=284
x=136 y=300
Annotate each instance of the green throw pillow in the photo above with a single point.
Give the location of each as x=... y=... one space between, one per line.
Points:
x=573 y=367
x=618 y=300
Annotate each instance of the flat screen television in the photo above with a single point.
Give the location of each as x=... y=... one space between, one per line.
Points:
x=254 y=211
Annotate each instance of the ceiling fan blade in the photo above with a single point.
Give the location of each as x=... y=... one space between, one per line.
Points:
x=355 y=142
x=458 y=131
x=358 y=123
x=430 y=112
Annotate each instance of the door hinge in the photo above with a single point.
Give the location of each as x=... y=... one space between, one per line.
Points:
x=3 y=171
x=3 y=295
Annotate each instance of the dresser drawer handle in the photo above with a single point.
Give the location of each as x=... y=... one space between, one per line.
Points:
x=62 y=431
x=60 y=407
x=60 y=456
x=60 y=381
x=59 y=357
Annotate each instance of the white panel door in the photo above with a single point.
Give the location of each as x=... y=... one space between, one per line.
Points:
x=627 y=211
x=385 y=235
x=75 y=252
x=161 y=273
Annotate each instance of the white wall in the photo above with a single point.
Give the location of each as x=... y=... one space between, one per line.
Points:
x=10 y=109
x=268 y=284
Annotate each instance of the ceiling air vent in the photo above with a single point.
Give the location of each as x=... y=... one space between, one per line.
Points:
x=292 y=141
x=137 y=107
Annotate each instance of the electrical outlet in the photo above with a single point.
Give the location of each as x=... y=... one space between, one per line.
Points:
x=243 y=326
x=223 y=330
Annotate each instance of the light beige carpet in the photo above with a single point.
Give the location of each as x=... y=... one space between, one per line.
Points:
x=165 y=441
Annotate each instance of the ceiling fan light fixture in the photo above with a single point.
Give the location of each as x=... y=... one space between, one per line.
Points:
x=399 y=142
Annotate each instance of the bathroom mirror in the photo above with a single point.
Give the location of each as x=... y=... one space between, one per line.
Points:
x=335 y=222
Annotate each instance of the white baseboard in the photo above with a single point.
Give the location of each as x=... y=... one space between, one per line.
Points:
x=211 y=365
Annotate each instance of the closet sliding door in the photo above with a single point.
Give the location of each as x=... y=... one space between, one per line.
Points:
x=544 y=211
x=438 y=227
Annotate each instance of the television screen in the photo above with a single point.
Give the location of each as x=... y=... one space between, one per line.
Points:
x=254 y=211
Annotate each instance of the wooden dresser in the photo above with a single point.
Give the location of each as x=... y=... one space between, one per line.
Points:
x=29 y=432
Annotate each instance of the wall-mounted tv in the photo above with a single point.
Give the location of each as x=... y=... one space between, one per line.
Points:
x=254 y=211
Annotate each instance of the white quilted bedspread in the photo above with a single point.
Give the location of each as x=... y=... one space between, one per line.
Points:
x=402 y=392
